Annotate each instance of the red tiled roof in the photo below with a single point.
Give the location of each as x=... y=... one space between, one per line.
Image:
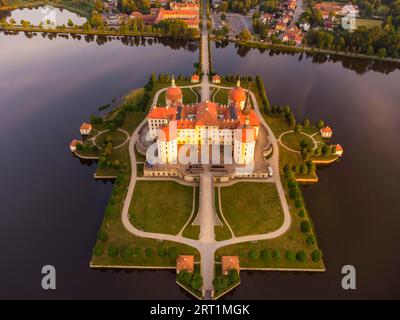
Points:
x=326 y=129
x=184 y=263
x=86 y=126
x=339 y=147
x=229 y=262
x=74 y=142
x=162 y=113
x=167 y=133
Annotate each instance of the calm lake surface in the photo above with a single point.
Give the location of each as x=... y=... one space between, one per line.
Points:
x=51 y=207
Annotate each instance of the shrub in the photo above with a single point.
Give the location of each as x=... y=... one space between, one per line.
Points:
x=102 y=235
x=311 y=239
x=253 y=254
x=163 y=252
x=196 y=281
x=289 y=255
x=233 y=276
x=305 y=226
x=172 y=253
x=294 y=193
x=316 y=255
x=137 y=252
x=301 y=213
x=298 y=203
x=112 y=251
x=266 y=254
x=126 y=252
x=148 y=252
x=301 y=256
x=98 y=250
x=276 y=255
x=291 y=183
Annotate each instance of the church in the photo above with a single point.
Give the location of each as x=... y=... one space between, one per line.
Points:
x=204 y=124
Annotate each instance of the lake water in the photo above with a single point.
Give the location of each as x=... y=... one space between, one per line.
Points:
x=51 y=207
x=37 y=15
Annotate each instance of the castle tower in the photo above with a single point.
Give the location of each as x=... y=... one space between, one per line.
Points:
x=173 y=94
x=237 y=96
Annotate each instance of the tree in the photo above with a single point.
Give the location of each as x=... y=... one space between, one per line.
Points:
x=98 y=250
x=148 y=252
x=276 y=255
x=306 y=123
x=289 y=255
x=301 y=213
x=311 y=239
x=316 y=255
x=126 y=252
x=326 y=150
x=320 y=124
x=70 y=23
x=233 y=276
x=102 y=235
x=112 y=251
x=301 y=256
x=253 y=254
x=297 y=128
x=266 y=254
x=245 y=35
x=305 y=226
x=304 y=169
x=294 y=193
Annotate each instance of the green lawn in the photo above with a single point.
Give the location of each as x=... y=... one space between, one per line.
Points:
x=189 y=97
x=118 y=138
x=221 y=232
x=293 y=139
x=368 y=23
x=252 y=208
x=161 y=206
x=221 y=96
x=191 y=231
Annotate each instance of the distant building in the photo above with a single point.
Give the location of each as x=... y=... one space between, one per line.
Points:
x=326 y=8
x=266 y=17
x=73 y=144
x=292 y=4
x=195 y=78
x=326 y=132
x=216 y=79
x=293 y=34
x=228 y=263
x=328 y=25
x=85 y=129
x=339 y=150
x=280 y=26
x=184 y=263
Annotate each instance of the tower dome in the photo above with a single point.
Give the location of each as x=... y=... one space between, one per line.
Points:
x=238 y=95
x=173 y=94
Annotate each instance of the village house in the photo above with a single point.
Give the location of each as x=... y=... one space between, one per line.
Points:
x=228 y=263
x=280 y=26
x=216 y=79
x=184 y=263
x=73 y=144
x=195 y=78
x=339 y=150
x=326 y=132
x=85 y=129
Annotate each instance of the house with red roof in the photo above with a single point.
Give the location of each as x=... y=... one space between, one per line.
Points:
x=195 y=78
x=326 y=132
x=85 y=129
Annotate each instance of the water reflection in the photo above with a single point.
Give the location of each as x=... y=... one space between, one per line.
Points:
x=172 y=43
x=359 y=65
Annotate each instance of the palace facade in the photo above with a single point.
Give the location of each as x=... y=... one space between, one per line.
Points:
x=204 y=124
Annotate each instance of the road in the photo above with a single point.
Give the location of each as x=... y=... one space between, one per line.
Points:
x=297 y=13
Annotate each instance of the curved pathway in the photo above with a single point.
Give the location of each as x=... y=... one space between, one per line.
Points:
x=315 y=142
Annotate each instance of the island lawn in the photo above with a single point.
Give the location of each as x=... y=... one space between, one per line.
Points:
x=252 y=208
x=118 y=138
x=221 y=232
x=160 y=206
x=189 y=97
x=292 y=140
x=193 y=231
x=221 y=96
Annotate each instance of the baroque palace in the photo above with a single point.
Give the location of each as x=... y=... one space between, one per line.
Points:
x=207 y=123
